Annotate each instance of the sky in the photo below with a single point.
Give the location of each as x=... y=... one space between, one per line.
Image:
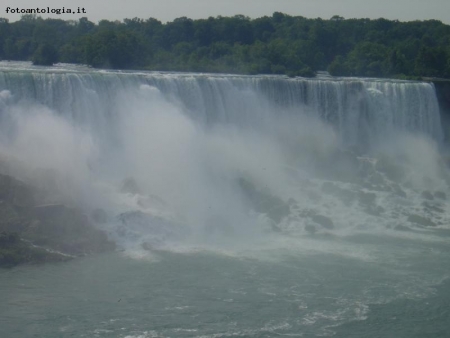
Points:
x=167 y=10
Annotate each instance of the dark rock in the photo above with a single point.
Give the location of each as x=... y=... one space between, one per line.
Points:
x=398 y=191
x=366 y=198
x=427 y=195
x=137 y=225
x=264 y=202
x=12 y=219
x=15 y=251
x=345 y=165
x=401 y=228
x=275 y=228
x=314 y=196
x=421 y=221
x=148 y=246
x=65 y=229
x=376 y=178
x=15 y=192
x=441 y=195
x=99 y=216
x=375 y=187
x=374 y=210
x=346 y=196
x=8 y=238
x=310 y=228
x=390 y=168
x=366 y=168
x=324 y=221
x=431 y=207
x=307 y=213
x=330 y=188
x=292 y=202
x=45 y=233
x=129 y=186
x=220 y=225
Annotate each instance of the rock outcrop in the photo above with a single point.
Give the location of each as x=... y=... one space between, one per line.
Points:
x=419 y=220
x=32 y=233
x=323 y=221
x=264 y=202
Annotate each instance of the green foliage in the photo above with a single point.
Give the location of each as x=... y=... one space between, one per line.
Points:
x=279 y=44
x=45 y=55
x=339 y=67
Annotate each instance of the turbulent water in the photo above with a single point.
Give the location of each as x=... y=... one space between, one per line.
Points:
x=242 y=205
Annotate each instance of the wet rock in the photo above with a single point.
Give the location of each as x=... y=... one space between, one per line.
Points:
x=390 y=168
x=377 y=179
x=323 y=221
x=307 y=213
x=416 y=219
x=47 y=181
x=9 y=238
x=366 y=198
x=310 y=229
x=15 y=251
x=15 y=192
x=330 y=188
x=129 y=186
x=314 y=196
x=264 y=202
x=427 y=195
x=431 y=207
x=375 y=187
x=99 y=216
x=12 y=218
x=366 y=167
x=374 y=210
x=338 y=165
x=292 y=202
x=51 y=232
x=398 y=191
x=346 y=196
x=440 y=195
x=68 y=230
x=402 y=228
x=275 y=228
x=220 y=225
x=137 y=226
x=148 y=246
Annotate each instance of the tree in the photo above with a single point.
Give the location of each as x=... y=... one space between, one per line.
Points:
x=339 y=67
x=280 y=43
x=45 y=55
x=431 y=62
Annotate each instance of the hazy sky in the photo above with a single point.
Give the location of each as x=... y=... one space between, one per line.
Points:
x=167 y=10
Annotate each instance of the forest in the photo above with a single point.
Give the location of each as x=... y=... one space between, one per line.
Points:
x=279 y=44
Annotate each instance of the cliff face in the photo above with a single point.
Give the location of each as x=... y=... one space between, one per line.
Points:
x=443 y=96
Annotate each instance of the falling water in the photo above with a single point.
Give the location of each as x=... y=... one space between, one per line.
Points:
x=293 y=205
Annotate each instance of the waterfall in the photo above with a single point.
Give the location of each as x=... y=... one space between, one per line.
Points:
x=360 y=110
x=214 y=151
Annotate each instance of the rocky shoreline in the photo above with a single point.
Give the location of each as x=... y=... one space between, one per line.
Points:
x=31 y=233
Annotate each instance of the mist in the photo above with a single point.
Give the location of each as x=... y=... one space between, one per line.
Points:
x=219 y=162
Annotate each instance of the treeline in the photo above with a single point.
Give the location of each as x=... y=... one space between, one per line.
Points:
x=280 y=44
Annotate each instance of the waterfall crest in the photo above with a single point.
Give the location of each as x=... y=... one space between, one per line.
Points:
x=360 y=110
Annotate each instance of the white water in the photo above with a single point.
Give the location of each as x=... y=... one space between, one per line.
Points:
x=186 y=140
x=208 y=258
